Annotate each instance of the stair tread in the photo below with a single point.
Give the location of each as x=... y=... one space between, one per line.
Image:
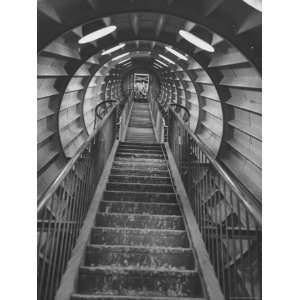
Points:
x=143 y=248
x=141 y=176
x=141 y=214
x=173 y=231
x=111 y=297
x=144 y=184
x=144 y=203
x=117 y=269
x=137 y=192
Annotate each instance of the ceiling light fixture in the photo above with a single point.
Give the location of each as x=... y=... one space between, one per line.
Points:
x=120 y=56
x=98 y=34
x=196 y=41
x=125 y=60
x=161 y=62
x=113 y=49
x=257 y=4
x=157 y=65
x=167 y=59
x=176 y=53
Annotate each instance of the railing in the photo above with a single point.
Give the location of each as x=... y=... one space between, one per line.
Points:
x=228 y=220
x=101 y=110
x=160 y=115
x=63 y=207
x=186 y=116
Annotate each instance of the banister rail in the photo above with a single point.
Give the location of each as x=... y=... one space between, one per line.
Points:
x=42 y=200
x=63 y=206
x=237 y=188
x=228 y=219
x=228 y=216
x=179 y=106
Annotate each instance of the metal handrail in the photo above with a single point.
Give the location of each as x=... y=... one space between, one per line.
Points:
x=43 y=199
x=182 y=107
x=243 y=195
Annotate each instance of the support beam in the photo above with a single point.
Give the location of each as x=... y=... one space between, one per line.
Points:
x=160 y=24
x=135 y=24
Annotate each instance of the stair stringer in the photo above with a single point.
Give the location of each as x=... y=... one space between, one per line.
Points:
x=69 y=279
x=207 y=274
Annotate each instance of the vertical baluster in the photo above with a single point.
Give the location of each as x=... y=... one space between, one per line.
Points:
x=62 y=212
x=228 y=257
x=67 y=229
x=218 y=242
x=221 y=237
x=249 y=256
x=234 y=277
x=53 y=240
x=72 y=234
x=258 y=237
x=202 y=199
x=43 y=237
x=205 y=212
x=241 y=247
x=81 y=198
x=85 y=193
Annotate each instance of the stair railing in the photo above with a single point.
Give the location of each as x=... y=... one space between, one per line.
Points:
x=101 y=110
x=178 y=108
x=63 y=206
x=228 y=218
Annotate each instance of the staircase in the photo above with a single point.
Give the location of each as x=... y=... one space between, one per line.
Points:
x=140 y=129
x=139 y=247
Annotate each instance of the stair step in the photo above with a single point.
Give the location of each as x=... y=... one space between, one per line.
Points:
x=117 y=297
x=132 y=172
x=142 y=282
x=123 y=150
x=139 y=237
x=140 y=179
x=139 y=221
x=140 y=257
x=139 y=208
x=152 y=161
x=139 y=187
x=140 y=166
x=140 y=196
x=153 y=146
x=141 y=148
x=140 y=155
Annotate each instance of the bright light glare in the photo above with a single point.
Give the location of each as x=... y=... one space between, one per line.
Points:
x=97 y=34
x=167 y=59
x=161 y=62
x=196 y=41
x=113 y=49
x=121 y=62
x=157 y=65
x=120 y=56
x=181 y=56
x=257 y=4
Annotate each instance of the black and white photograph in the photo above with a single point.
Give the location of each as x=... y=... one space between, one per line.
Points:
x=150 y=171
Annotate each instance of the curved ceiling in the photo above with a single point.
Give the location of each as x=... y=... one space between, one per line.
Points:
x=222 y=90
